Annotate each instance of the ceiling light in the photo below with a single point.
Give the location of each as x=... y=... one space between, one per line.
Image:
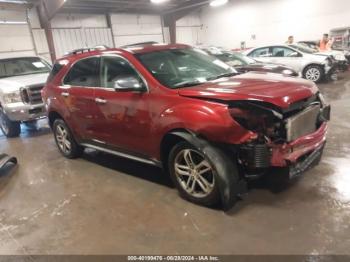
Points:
x=216 y=3
x=157 y=2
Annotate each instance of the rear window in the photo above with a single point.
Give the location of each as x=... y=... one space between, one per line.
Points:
x=55 y=70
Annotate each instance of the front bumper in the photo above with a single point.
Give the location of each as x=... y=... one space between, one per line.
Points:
x=343 y=66
x=22 y=112
x=289 y=154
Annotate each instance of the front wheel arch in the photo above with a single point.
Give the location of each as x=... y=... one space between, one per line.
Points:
x=230 y=183
x=53 y=116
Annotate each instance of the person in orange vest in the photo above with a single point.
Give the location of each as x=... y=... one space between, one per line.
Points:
x=325 y=44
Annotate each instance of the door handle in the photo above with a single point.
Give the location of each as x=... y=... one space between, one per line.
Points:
x=100 y=101
x=65 y=94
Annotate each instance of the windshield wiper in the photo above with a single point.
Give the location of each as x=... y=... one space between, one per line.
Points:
x=188 y=84
x=222 y=75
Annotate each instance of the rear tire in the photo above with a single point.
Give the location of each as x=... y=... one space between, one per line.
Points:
x=65 y=140
x=8 y=127
x=313 y=73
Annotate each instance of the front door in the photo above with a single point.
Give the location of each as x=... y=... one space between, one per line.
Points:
x=123 y=115
x=287 y=56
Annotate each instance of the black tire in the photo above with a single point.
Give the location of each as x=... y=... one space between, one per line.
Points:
x=75 y=150
x=212 y=198
x=314 y=73
x=8 y=127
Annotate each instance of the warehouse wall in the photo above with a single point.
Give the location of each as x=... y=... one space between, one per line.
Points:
x=39 y=36
x=73 y=31
x=135 y=28
x=189 y=29
x=15 y=34
x=271 y=21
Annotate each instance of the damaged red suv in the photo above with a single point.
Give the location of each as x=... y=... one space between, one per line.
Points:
x=179 y=108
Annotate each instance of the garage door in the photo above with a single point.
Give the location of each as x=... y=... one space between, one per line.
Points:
x=130 y=28
x=66 y=40
x=15 y=36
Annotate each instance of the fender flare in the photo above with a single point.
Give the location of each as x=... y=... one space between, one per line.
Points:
x=231 y=186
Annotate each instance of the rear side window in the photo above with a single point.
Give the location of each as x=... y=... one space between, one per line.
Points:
x=55 y=70
x=85 y=72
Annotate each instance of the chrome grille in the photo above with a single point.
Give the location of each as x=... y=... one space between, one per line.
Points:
x=32 y=94
x=303 y=123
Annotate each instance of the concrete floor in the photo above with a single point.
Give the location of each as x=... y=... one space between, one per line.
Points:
x=101 y=204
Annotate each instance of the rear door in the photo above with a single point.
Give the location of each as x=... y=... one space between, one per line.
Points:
x=77 y=93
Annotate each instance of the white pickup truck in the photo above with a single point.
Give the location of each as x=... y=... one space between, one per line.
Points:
x=21 y=81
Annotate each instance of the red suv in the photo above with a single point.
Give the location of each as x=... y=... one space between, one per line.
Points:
x=179 y=108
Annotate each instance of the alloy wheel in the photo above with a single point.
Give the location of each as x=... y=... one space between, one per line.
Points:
x=194 y=173
x=63 y=139
x=313 y=74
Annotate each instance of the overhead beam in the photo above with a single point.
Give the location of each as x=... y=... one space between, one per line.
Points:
x=52 y=7
x=170 y=17
x=46 y=11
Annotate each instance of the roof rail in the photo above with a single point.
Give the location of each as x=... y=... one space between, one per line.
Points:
x=87 y=49
x=140 y=44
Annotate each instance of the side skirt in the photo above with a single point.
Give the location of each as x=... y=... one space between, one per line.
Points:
x=122 y=153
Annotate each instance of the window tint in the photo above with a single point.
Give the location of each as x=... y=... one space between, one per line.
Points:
x=280 y=51
x=114 y=68
x=261 y=52
x=84 y=73
x=55 y=70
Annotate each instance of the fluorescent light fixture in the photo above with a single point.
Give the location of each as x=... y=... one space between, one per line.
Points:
x=157 y=2
x=216 y=3
x=12 y=22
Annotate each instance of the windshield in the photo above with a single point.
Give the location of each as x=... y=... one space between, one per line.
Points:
x=304 y=49
x=178 y=68
x=22 y=66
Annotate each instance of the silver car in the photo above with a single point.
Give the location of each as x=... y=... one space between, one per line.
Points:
x=314 y=67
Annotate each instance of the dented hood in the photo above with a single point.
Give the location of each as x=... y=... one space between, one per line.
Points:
x=273 y=88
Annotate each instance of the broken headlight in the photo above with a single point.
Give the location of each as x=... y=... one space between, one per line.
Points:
x=262 y=120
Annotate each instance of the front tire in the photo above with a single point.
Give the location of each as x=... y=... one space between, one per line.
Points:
x=65 y=140
x=8 y=127
x=314 y=73
x=194 y=175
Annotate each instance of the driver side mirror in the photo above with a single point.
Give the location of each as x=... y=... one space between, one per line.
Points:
x=129 y=83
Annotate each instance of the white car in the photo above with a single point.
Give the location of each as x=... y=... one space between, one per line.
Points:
x=311 y=66
x=21 y=81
